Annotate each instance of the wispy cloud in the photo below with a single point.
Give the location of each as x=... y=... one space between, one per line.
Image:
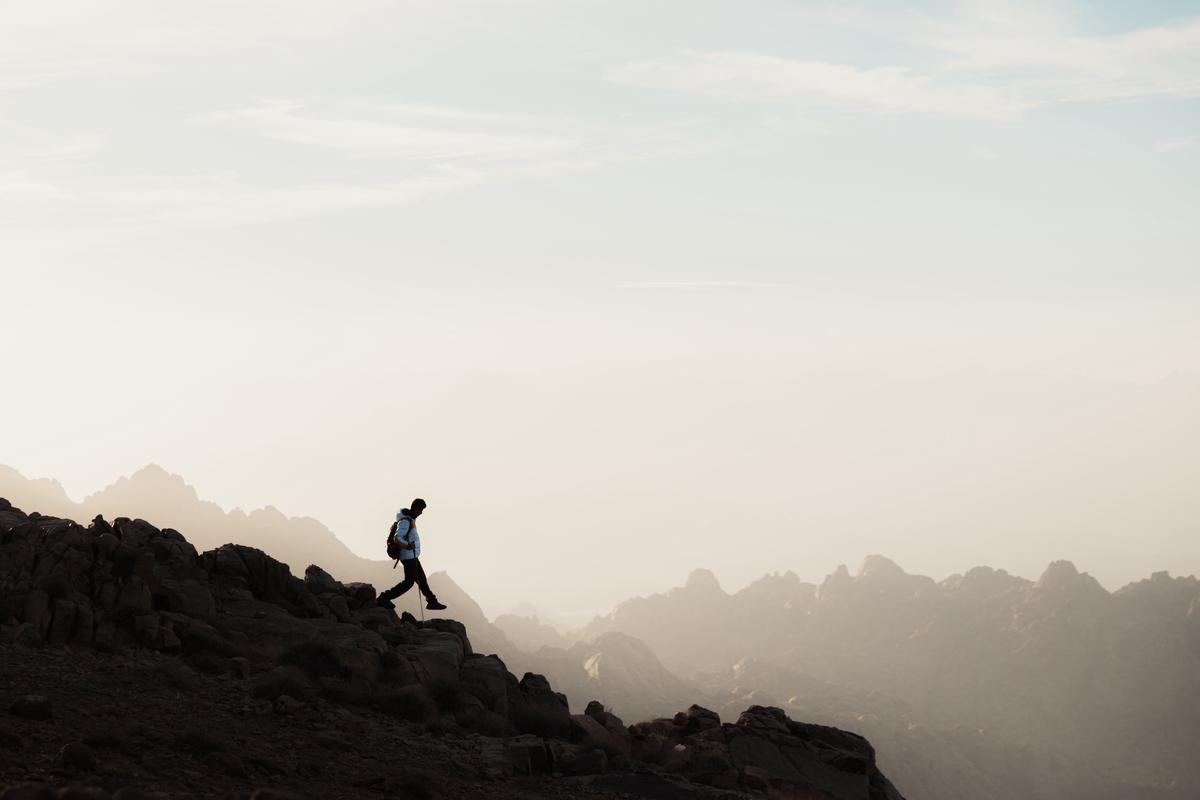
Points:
x=739 y=75
x=1047 y=61
x=1175 y=145
x=411 y=153
x=397 y=131
x=989 y=61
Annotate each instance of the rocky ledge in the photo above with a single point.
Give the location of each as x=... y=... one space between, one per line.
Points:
x=91 y=619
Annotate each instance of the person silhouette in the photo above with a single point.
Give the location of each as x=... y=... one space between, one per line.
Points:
x=409 y=542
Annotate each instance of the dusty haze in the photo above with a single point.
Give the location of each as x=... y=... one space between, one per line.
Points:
x=745 y=292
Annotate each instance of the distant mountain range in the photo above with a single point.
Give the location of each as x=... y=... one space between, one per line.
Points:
x=983 y=686
x=1098 y=693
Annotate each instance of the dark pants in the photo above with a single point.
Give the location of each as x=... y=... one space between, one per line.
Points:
x=413 y=573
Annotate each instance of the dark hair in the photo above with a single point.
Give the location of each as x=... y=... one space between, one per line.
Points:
x=417 y=503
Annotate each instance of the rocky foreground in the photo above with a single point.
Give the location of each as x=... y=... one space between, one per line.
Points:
x=133 y=666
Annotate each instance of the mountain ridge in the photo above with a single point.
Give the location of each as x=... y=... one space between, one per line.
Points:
x=323 y=652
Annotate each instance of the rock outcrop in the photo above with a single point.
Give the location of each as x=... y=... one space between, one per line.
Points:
x=155 y=494
x=234 y=611
x=764 y=750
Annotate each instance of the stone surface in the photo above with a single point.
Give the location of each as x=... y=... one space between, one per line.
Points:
x=31 y=706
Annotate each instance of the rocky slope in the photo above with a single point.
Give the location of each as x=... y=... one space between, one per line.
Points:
x=153 y=493
x=135 y=664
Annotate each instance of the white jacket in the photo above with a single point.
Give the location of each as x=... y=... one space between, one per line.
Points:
x=406 y=533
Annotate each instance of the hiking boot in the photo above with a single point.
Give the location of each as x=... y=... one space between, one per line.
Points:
x=385 y=602
x=434 y=605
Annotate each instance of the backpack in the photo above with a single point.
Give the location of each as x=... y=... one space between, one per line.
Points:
x=394 y=550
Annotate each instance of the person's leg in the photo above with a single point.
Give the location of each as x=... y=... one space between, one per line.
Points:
x=423 y=583
x=410 y=577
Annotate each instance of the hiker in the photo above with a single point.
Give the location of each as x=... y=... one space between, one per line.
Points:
x=404 y=544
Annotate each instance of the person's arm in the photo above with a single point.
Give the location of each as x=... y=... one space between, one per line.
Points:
x=403 y=529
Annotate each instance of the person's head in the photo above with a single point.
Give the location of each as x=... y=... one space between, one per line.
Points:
x=417 y=506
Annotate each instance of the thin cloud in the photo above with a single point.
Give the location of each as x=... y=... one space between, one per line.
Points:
x=993 y=62
x=1176 y=145
x=405 y=133
x=1047 y=61
x=741 y=75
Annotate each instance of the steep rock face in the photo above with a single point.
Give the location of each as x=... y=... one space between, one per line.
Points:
x=236 y=611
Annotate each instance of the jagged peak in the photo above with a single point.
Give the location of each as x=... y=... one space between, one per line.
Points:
x=154 y=471
x=269 y=512
x=151 y=476
x=52 y=484
x=703 y=580
x=875 y=565
x=16 y=473
x=1058 y=572
x=1062 y=576
x=983 y=580
x=834 y=582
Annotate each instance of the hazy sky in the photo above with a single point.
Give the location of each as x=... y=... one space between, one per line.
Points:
x=622 y=289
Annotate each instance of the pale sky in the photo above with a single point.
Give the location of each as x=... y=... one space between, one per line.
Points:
x=623 y=289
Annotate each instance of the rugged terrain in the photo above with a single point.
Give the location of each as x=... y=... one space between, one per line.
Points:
x=984 y=685
x=134 y=665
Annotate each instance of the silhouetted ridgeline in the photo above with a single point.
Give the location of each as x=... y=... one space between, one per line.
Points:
x=152 y=493
x=237 y=635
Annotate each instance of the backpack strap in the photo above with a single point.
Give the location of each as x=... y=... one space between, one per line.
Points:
x=411 y=522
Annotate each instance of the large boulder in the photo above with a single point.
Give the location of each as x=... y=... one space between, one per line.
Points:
x=235 y=566
x=537 y=709
x=486 y=678
x=764 y=751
